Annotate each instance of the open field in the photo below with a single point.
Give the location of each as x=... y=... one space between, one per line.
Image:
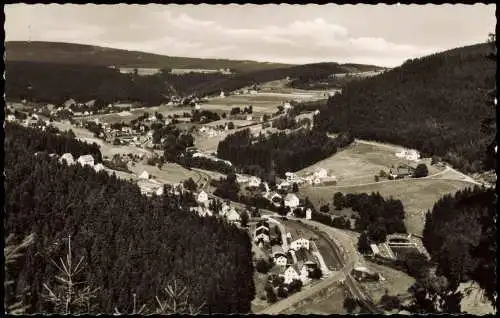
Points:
x=417 y=196
x=169 y=172
x=396 y=282
x=236 y=122
x=127 y=116
x=327 y=302
x=359 y=163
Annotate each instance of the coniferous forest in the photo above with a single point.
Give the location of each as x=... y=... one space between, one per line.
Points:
x=279 y=152
x=461 y=236
x=428 y=103
x=130 y=244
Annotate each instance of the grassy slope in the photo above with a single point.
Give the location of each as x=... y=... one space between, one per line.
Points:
x=70 y=53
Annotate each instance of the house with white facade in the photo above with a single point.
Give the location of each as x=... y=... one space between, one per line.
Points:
x=287 y=106
x=233 y=216
x=222 y=95
x=299 y=243
x=411 y=154
x=292 y=201
x=144 y=175
x=68 y=158
x=308 y=214
x=280 y=260
x=254 y=181
x=240 y=178
x=290 y=274
x=202 y=198
x=291 y=177
x=321 y=173
x=98 y=167
x=86 y=160
x=284 y=185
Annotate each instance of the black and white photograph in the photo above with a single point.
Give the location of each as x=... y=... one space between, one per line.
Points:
x=271 y=159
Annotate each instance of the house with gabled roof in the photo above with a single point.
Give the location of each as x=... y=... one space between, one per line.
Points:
x=262 y=235
x=86 y=160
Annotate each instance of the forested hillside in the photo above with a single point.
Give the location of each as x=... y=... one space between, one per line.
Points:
x=131 y=244
x=56 y=83
x=461 y=236
x=279 y=152
x=71 y=53
x=429 y=104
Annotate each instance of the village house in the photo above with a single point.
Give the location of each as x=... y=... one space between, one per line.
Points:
x=276 y=199
x=305 y=257
x=241 y=178
x=277 y=250
x=254 y=182
x=280 y=260
x=144 y=175
x=296 y=272
x=98 y=167
x=159 y=191
x=262 y=235
x=411 y=155
x=291 y=177
x=401 y=172
x=232 y=216
x=202 y=198
x=299 y=243
x=222 y=95
x=11 y=117
x=287 y=106
x=308 y=214
x=292 y=201
x=68 y=158
x=86 y=160
x=321 y=173
x=262 y=225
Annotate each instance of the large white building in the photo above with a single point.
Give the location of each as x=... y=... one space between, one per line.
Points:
x=86 y=160
x=292 y=201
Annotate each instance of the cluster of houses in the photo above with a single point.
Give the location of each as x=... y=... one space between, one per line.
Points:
x=204 y=208
x=198 y=154
x=294 y=260
x=319 y=177
x=84 y=160
x=210 y=132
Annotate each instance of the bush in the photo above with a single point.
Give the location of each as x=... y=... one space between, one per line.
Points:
x=377 y=178
x=262 y=266
x=390 y=302
x=421 y=171
x=324 y=208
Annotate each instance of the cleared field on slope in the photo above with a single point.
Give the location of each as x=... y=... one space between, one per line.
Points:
x=330 y=301
x=359 y=163
x=169 y=172
x=417 y=196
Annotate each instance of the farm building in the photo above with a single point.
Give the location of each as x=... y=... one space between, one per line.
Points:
x=86 y=160
x=411 y=155
x=232 y=216
x=291 y=177
x=68 y=158
x=401 y=172
x=280 y=260
x=296 y=272
x=277 y=250
x=361 y=273
x=308 y=214
x=275 y=199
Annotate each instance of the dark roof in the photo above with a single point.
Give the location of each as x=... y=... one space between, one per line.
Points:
x=303 y=255
x=265 y=231
x=264 y=223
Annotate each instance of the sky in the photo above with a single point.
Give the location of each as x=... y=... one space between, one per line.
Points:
x=384 y=35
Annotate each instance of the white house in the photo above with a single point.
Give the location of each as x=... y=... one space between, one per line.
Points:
x=308 y=214
x=290 y=274
x=254 y=181
x=287 y=106
x=316 y=112
x=241 y=178
x=321 y=173
x=280 y=260
x=411 y=155
x=222 y=94
x=159 y=191
x=98 y=167
x=86 y=160
x=299 y=243
x=233 y=216
x=11 y=117
x=144 y=175
x=202 y=197
x=249 y=117
x=292 y=201
x=68 y=157
x=291 y=177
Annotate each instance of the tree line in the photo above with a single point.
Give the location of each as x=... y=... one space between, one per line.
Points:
x=131 y=244
x=278 y=153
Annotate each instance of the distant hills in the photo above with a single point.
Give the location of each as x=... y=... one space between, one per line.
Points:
x=69 y=53
x=435 y=104
x=54 y=72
